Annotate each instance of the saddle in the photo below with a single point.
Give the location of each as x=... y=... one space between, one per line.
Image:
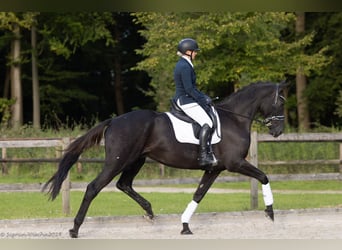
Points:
x=186 y=129
x=179 y=113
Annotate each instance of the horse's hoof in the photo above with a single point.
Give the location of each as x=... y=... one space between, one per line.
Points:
x=73 y=233
x=269 y=213
x=186 y=232
x=149 y=217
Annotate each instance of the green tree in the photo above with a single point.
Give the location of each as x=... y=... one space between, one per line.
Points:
x=64 y=32
x=81 y=76
x=324 y=87
x=96 y=73
x=339 y=105
x=59 y=33
x=301 y=81
x=236 y=49
x=12 y=23
x=35 y=77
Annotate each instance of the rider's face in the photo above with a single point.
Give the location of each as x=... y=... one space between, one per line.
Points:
x=192 y=53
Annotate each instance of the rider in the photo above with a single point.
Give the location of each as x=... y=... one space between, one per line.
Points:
x=193 y=102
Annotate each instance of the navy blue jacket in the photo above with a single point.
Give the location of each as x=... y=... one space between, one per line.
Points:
x=185 y=80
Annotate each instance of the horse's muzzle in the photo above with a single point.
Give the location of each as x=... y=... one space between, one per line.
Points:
x=275 y=125
x=277 y=130
x=276 y=133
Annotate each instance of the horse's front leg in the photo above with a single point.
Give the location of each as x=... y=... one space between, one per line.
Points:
x=207 y=180
x=245 y=168
x=268 y=200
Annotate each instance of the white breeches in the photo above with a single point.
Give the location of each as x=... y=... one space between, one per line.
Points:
x=196 y=112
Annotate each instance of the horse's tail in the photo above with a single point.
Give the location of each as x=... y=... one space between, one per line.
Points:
x=71 y=155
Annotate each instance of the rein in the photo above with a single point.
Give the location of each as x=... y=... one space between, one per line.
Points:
x=267 y=121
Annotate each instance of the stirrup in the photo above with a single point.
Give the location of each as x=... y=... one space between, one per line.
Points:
x=208 y=161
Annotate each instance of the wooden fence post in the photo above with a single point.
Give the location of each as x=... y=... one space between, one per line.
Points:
x=161 y=170
x=4 y=169
x=340 y=159
x=253 y=152
x=66 y=184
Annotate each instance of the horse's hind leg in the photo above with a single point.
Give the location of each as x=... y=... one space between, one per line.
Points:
x=93 y=189
x=125 y=184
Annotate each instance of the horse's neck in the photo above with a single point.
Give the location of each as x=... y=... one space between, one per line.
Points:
x=244 y=109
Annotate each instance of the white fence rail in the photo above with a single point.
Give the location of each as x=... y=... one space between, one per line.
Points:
x=62 y=143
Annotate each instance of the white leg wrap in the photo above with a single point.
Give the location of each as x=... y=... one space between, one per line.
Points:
x=189 y=211
x=267 y=193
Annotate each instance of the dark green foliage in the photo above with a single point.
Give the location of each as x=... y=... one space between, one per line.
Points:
x=77 y=54
x=324 y=87
x=236 y=47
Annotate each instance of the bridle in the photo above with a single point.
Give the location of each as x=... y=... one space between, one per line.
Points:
x=268 y=120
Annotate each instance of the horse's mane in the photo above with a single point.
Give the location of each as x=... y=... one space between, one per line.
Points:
x=246 y=92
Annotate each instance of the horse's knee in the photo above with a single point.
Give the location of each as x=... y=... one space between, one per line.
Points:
x=264 y=180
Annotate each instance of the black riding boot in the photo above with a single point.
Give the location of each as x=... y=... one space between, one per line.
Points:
x=206 y=156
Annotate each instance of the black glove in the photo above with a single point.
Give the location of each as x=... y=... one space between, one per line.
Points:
x=207 y=100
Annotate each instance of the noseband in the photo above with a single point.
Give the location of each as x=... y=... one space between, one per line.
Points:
x=268 y=120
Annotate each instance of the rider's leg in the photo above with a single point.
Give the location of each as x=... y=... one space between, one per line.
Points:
x=206 y=156
x=196 y=112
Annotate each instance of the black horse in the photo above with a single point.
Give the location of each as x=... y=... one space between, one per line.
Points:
x=131 y=137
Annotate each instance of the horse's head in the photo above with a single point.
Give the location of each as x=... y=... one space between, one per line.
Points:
x=272 y=108
x=264 y=98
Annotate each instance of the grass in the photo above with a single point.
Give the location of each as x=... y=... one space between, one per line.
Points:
x=277 y=185
x=36 y=205
x=280 y=185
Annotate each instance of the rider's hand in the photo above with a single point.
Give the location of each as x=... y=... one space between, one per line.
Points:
x=207 y=99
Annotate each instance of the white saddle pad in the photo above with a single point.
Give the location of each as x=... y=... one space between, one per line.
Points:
x=184 y=131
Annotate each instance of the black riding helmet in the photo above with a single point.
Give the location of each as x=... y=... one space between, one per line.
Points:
x=187 y=44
